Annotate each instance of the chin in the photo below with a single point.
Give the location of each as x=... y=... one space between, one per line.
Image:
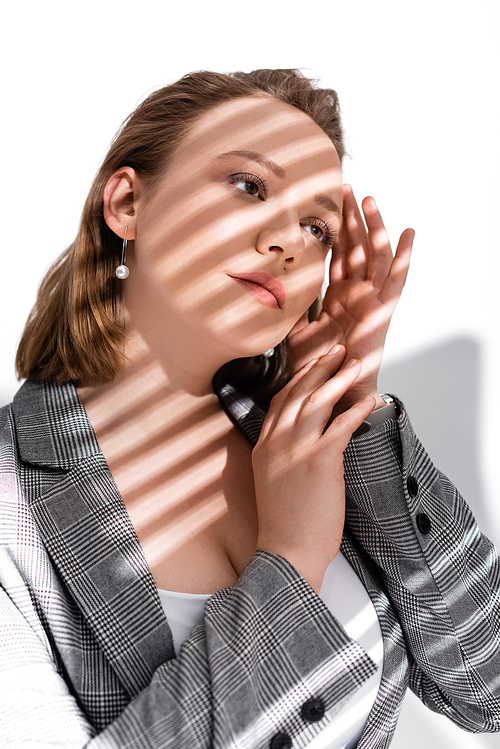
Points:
x=261 y=350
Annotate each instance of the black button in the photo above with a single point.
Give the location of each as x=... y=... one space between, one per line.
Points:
x=423 y=523
x=281 y=741
x=412 y=485
x=313 y=710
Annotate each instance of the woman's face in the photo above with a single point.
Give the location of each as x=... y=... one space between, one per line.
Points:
x=233 y=241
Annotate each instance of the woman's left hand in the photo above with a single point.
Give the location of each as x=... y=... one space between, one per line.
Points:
x=366 y=281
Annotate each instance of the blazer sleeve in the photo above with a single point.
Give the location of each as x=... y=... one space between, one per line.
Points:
x=440 y=572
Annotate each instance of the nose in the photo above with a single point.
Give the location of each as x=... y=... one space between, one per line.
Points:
x=283 y=237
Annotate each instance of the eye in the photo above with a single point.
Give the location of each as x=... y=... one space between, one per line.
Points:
x=321 y=231
x=250 y=184
x=316 y=231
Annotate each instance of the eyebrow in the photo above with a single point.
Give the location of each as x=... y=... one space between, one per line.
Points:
x=259 y=158
x=328 y=203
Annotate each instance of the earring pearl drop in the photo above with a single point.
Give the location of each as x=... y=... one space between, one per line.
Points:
x=122 y=271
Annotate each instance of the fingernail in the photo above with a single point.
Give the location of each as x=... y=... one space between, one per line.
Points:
x=335 y=349
x=351 y=363
x=309 y=364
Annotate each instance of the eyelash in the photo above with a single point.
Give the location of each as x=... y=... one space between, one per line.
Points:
x=243 y=177
x=329 y=236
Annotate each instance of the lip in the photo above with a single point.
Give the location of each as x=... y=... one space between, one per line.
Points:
x=262 y=283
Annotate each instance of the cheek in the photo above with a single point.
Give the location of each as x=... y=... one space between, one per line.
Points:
x=202 y=235
x=306 y=284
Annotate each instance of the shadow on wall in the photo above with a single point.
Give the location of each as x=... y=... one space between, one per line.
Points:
x=437 y=387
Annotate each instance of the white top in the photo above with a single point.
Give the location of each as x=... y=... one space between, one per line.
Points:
x=346 y=597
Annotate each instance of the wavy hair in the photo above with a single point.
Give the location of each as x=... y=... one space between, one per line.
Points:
x=73 y=332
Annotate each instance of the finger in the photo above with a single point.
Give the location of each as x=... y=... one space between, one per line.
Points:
x=380 y=253
x=311 y=411
x=336 y=275
x=345 y=424
x=286 y=404
x=396 y=278
x=314 y=340
x=338 y=270
x=357 y=239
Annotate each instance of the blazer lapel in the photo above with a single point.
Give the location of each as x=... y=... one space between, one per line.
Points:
x=243 y=411
x=87 y=532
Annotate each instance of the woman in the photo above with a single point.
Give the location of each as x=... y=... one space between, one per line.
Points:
x=201 y=250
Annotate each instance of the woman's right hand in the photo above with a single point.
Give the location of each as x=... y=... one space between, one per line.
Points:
x=298 y=465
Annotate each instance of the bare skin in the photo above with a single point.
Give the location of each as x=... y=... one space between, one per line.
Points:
x=185 y=476
x=200 y=501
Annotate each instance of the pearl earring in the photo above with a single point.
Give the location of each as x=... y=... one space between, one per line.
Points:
x=269 y=353
x=122 y=271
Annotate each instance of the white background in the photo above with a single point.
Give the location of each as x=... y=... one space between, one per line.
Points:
x=418 y=84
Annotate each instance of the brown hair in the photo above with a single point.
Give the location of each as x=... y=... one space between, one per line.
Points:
x=73 y=332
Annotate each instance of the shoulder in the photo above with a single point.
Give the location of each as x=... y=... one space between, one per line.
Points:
x=11 y=494
x=14 y=422
x=8 y=444
x=25 y=441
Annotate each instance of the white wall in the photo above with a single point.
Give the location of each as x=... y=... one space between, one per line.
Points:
x=419 y=89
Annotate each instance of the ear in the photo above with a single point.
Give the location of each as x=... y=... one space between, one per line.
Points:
x=119 y=200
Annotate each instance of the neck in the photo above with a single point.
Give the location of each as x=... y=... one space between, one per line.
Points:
x=153 y=390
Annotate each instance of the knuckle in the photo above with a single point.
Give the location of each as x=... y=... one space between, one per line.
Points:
x=314 y=397
x=268 y=449
x=342 y=422
x=295 y=392
x=276 y=400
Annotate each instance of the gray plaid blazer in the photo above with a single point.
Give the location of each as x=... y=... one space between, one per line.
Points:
x=86 y=655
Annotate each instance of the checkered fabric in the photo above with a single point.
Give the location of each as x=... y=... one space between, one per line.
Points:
x=86 y=655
